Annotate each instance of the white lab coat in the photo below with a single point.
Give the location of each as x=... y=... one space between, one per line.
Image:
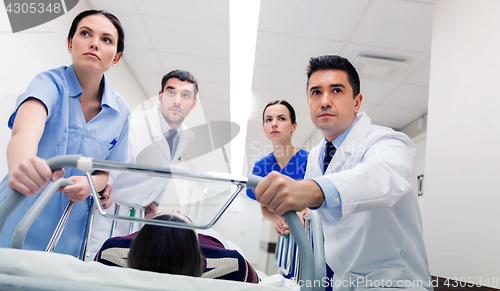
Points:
x=379 y=235
x=146 y=146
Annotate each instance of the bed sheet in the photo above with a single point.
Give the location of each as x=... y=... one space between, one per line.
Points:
x=24 y=269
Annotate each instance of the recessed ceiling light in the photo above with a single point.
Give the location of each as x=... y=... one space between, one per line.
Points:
x=379 y=67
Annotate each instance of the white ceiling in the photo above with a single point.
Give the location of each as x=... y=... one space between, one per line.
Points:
x=194 y=35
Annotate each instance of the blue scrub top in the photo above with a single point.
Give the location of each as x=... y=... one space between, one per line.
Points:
x=295 y=169
x=66 y=132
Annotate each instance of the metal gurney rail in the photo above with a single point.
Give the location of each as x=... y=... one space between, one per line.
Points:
x=88 y=165
x=286 y=255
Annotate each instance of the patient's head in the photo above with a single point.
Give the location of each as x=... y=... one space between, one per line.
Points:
x=167 y=249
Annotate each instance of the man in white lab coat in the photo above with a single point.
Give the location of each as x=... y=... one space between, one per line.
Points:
x=157 y=138
x=360 y=179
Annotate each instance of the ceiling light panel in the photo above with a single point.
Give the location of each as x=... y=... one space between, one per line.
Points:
x=378 y=67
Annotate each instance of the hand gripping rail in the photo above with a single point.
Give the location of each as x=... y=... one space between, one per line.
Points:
x=15 y=199
x=88 y=165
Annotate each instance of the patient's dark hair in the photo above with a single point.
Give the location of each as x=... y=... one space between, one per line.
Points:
x=167 y=250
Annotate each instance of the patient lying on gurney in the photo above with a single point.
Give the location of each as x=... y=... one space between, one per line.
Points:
x=176 y=251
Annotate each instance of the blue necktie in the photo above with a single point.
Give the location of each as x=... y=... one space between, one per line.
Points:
x=329 y=152
x=170 y=139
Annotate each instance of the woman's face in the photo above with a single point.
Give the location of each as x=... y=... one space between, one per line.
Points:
x=278 y=126
x=93 y=47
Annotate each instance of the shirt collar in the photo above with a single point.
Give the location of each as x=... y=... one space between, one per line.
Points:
x=340 y=139
x=75 y=90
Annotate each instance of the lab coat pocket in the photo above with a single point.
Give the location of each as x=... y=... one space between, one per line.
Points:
x=354 y=220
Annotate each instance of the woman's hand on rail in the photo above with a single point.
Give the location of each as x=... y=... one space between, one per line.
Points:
x=78 y=191
x=31 y=176
x=106 y=198
x=153 y=209
x=281 y=227
x=302 y=216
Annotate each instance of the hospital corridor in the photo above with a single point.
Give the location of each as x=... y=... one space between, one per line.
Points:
x=249 y=145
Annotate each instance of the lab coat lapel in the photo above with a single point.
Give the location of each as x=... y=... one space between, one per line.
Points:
x=154 y=123
x=357 y=134
x=336 y=162
x=185 y=138
x=350 y=144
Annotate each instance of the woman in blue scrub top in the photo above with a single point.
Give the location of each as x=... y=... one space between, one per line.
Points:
x=279 y=123
x=67 y=110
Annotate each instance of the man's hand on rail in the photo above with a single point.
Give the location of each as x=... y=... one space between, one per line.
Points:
x=280 y=193
x=78 y=191
x=106 y=198
x=151 y=210
x=31 y=176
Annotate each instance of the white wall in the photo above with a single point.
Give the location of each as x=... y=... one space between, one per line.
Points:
x=461 y=221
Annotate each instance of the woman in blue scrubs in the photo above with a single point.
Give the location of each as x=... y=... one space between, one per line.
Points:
x=279 y=123
x=67 y=110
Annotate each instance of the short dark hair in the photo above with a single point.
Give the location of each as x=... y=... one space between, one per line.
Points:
x=167 y=249
x=121 y=33
x=183 y=76
x=334 y=62
x=282 y=102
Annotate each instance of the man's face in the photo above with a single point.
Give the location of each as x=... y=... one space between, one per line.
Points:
x=331 y=103
x=176 y=100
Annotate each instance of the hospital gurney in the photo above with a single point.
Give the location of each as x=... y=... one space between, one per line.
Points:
x=87 y=165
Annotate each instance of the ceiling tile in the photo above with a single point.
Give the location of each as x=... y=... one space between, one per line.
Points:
x=189 y=38
x=414 y=59
x=136 y=32
x=423 y=1
x=396 y=24
x=376 y=91
x=213 y=91
x=143 y=61
x=150 y=83
x=263 y=97
x=291 y=52
x=409 y=96
x=114 y=5
x=203 y=68
x=202 y=11
x=325 y=19
x=367 y=107
x=395 y=117
x=278 y=79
